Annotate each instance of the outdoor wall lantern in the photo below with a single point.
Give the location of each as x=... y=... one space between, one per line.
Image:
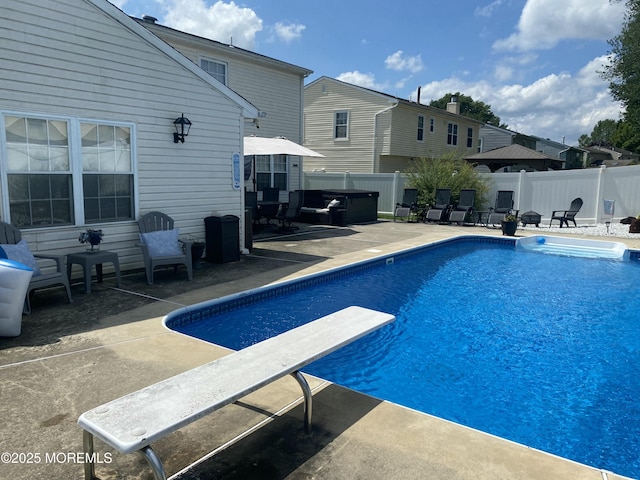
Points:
x=182 y=124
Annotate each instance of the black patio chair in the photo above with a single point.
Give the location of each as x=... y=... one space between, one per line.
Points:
x=439 y=210
x=408 y=208
x=463 y=209
x=291 y=212
x=566 y=216
x=503 y=206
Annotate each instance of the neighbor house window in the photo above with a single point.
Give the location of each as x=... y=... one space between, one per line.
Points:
x=469 y=137
x=217 y=70
x=341 y=125
x=48 y=157
x=432 y=125
x=420 y=136
x=107 y=172
x=271 y=171
x=452 y=134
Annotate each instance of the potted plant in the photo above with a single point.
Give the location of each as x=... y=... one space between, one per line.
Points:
x=509 y=224
x=634 y=226
x=93 y=238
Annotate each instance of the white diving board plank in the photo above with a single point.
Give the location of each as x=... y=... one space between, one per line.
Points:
x=143 y=417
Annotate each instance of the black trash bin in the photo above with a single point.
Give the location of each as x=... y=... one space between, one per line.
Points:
x=222 y=237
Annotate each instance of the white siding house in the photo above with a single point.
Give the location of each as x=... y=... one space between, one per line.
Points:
x=365 y=131
x=87 y=103
x=273 y=86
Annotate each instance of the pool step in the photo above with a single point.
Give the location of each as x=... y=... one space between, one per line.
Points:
x=573 y=247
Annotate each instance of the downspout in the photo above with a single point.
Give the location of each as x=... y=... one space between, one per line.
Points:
x=374 y=163
x=301 y=162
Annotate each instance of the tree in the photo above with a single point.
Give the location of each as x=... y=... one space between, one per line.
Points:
x=448 y=171
x=470 y=108
x=604 y=131
x=620 y=134
x=584 y=140
x=623 y=71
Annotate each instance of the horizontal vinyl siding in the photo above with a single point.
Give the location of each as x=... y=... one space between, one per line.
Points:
x=354 y=154
x=69 y=59
x=275 y=91
x=405 y=127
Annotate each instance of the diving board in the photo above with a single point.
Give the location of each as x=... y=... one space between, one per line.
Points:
x=131 y=423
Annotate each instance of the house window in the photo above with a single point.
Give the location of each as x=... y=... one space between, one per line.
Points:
x=420 y=136
x=432 y=125
x=341 y=125
x=470 y=137
x=45 y=157
x=107 y=172
x=452 y=134
x=271 y=171
x=217 y=70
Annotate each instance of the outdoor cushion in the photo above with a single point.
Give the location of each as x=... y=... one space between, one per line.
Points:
x=162 y=243
x=20 y=253
x=333 y=203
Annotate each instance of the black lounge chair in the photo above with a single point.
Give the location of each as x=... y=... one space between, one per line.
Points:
x=291 y=212
x=438 y=211
x=566 y=216
x=463 y=209
x=503 y=206
x=409 y=206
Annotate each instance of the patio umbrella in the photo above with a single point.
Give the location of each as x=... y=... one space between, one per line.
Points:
x=275 y=146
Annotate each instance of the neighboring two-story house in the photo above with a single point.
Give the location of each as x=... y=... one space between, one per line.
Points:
x=364 y=131
x=492 y=138
x=275 y=87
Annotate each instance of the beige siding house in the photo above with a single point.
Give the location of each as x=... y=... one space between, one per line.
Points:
x=273 y=86
x=87 y=103
x=365 y=131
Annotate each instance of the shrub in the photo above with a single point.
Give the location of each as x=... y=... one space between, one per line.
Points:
x=428 y=174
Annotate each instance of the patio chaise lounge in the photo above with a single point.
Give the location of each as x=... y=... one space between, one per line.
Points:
x=438 y=211
x=409 y=206
x=462 y=210
x=566 y=216
x=503 y=205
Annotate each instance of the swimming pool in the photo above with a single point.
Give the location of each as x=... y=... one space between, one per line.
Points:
x=538 y=349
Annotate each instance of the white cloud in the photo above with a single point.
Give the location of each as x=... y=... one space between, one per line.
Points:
x=487 y=10
x=225 y=22
x=118 y=3
x=544 y=23
x=401 y=62
x=556 y=106
x=366 y=80
x=288 y=33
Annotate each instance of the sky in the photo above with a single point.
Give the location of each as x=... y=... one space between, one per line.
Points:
x=535 y=62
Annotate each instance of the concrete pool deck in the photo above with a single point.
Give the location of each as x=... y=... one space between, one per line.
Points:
x=72 y=357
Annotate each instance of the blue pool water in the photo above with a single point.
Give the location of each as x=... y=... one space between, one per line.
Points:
x=539 y=349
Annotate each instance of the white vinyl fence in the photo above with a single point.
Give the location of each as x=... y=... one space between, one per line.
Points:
x=541 y=192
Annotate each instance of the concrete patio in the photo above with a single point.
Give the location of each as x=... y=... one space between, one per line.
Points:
x=73 y=357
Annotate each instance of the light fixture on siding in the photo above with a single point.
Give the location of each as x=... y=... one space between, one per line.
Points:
x=182 y=124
